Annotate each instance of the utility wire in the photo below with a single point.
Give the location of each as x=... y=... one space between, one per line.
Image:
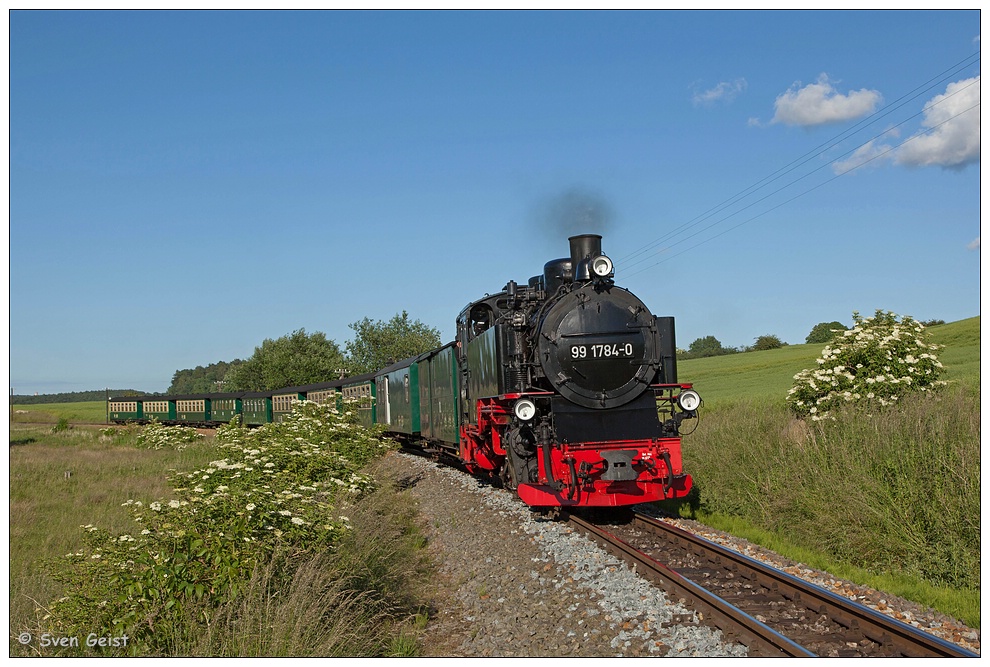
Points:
x=797 y=196
x=815 y=152
x=821 y=149
x=851 y=151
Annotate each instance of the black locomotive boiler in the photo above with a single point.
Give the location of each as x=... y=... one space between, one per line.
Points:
x=568 y=388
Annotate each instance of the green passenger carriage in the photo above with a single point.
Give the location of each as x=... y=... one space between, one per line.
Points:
x=225 y=407
x=191 y=410
x=359 y=393
x=438 y=398
x=398 y=397
x=161 y=408
x=256 y=408
x=324 y=392
x=283 y=401
x=125 y=409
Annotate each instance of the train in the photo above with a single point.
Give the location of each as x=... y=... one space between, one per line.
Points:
x=563 y=389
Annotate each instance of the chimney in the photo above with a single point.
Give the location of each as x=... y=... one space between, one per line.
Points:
x=583 y=248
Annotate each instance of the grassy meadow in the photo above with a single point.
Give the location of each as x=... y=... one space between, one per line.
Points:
x=73 y=495
x=769 y=374
x=61 y=481
x=88 y=412
x=890 y=500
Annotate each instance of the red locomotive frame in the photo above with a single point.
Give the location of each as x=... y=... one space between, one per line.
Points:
x=576 y=469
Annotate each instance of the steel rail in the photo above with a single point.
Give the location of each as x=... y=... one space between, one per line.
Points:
x=733 y=622
x=883 y=629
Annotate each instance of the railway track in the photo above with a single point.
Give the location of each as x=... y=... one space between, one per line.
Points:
x=768 y=610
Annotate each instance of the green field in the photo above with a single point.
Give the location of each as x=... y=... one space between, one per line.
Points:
x=768 y=374
x=323 y=592
x=88 y=412
x=889 y=500
x=61 y=481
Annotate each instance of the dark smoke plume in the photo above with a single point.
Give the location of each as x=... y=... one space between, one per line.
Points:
x=575 y=211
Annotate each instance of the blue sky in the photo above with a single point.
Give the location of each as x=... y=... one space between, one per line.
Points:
x=184 y=185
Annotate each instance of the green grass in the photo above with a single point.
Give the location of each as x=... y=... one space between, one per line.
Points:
x=962 y=604
x=87 y=412
x=60 y=481
x=961 y=356
x=363 y=597
x=890 y=501
x=770 y=373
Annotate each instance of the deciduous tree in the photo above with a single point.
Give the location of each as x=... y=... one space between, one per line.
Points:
x=295 y=359
x=767 y=342
x=709 y=346
x=379 y=344
x=202 y=379
x=823 y=332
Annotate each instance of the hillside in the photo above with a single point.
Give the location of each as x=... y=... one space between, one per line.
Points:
x=769 y=374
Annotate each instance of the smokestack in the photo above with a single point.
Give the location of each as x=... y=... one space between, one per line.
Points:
x=583 y=248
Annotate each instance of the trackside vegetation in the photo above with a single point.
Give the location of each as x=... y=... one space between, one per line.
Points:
x=875 y=363
x=277 y=545
x=325 y=560
x=887 y=495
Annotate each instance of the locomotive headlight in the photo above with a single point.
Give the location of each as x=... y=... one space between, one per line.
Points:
x=601 y=265
x=525 y=409
x=689 y=400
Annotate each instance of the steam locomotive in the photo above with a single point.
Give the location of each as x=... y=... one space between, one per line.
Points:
x=568 y=388
x=564 y=388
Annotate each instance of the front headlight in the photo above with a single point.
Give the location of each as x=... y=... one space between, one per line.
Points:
x=525 y=409
x=689 y=400
x=601 y=265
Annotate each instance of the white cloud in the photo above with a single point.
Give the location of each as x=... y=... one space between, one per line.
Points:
x=974 y=244
x=820 y=104
x=873 y=151
x=952 y=137
x=725 y=91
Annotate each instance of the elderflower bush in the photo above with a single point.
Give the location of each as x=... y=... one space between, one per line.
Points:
x=272 y=488
x=158 y=436
x=876 y=361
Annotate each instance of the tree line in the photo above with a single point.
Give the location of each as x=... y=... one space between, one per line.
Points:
x=821 y=333
x=302 y=358
x=709 y=346
x=72 y=396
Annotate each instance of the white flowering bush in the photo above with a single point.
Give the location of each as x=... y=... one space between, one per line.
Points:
x=876 y=362
x=156 y=435
x=272 y=489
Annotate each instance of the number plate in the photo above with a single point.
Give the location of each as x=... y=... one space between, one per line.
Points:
x=602 y=351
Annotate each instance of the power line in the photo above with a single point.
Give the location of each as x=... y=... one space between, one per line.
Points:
x=797 y=196
x=804 y=159
x=804 y=176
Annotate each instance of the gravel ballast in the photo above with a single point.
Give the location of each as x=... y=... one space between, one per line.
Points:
x=516 y=584
x=512 y=583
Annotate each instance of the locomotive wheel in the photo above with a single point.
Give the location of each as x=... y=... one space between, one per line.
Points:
x=520 y=461
x=508 y=475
